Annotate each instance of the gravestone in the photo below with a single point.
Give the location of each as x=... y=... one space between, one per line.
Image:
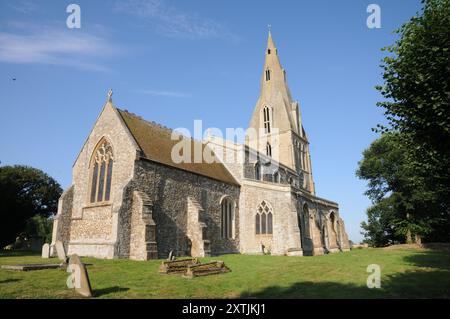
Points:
x=171 y=257
x=46 y=251
x=61 y=251
x=79 y=278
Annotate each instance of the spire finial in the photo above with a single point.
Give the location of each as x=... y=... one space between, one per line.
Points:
x=110 y=93
x=269 y=26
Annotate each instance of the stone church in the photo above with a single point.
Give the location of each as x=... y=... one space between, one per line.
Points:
x=130 y=199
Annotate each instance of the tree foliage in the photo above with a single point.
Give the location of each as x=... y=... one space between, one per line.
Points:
x=408 y=167
x=24 y=192
x=401 y=201
x=417 y=92
x=39 y=226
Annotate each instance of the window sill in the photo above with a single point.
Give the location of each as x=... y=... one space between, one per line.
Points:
x=100 y=204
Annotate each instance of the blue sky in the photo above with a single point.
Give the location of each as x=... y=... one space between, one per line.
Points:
x=176 y=61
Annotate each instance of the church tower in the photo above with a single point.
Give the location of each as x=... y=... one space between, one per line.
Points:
x=276 y=121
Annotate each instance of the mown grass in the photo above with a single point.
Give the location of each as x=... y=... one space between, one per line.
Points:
x=406 y=273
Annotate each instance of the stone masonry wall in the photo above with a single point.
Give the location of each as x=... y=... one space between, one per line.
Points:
x=284 y=239
x=169 y=189
x=95 y=226
x=62 y=221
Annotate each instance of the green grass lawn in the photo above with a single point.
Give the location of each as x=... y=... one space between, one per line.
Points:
x=406 y=273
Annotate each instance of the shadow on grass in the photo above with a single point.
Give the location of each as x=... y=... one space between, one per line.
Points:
x=107 y=291
x=7 y=281
x=311 y=290
x=430 y=259
x=414 y=284
x=432 y=281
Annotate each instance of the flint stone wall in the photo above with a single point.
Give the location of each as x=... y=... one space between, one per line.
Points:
x=169 y=189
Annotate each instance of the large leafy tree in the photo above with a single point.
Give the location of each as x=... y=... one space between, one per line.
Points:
x=380 y=228
x=417 y=92
x=401 y=201
x=25 y=192
x=417 y=108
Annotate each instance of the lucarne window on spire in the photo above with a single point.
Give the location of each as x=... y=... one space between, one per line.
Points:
x=267 y=75
x=266 y=112
x=269 y=150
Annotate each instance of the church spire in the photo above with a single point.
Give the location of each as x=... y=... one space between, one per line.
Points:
x=276 y=119
x=274 y=86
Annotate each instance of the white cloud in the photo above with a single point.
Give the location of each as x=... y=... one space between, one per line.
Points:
x=67 y=47
x=24 y=6
x=164 y=93
x=172 y=22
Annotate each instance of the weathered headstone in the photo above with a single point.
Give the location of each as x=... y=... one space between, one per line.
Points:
x=79 y=279
x=60 y=251
x=46 y=251
x=170 y=256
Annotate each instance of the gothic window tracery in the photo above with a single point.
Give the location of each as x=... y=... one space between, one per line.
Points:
x=264 y=219
x=101 y=173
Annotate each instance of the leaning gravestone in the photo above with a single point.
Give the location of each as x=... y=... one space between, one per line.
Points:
x=46 y=251
x=60 y=251
x=171 y=257
x=79 y=279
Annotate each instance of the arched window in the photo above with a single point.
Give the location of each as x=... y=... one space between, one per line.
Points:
x=301 y=180
x=227 y=218
x=305 y=221
x=276 y=177
x=333 y=221
x=304 y=157
x=264 y=219
x=101 y=173
x=269 y=150
x=258 y=224
x=291 y=181
x=257 y=171
x=266 y=112
x=267 y=75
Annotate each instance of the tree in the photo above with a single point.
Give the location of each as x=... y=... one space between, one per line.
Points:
x=24 y=192
x=402 y=204
x=417 y=92
x=39 y=226
x=379 y=230
x=410 y=164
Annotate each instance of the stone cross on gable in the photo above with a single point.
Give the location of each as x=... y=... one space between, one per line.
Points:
x=110 y=93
